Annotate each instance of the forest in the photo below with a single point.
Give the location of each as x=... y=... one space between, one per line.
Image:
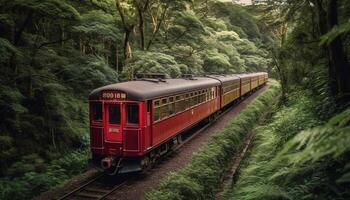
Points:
x=53 y=53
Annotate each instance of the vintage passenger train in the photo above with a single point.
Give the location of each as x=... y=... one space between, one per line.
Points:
x=132 y=123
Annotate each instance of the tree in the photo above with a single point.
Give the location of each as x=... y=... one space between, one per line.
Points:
x=324 y=20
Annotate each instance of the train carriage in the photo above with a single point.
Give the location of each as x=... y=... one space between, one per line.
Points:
x=133 y=123
x=266 y=77
x=254 y=80
x=230 y=88
x=245 y=83
x=262 y=78
x=133 y=119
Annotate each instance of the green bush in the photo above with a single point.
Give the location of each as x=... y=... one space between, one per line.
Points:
x=34 y=182
x=201 y=178
x=294 y=157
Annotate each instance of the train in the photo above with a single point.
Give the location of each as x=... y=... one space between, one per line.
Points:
x=134 y=123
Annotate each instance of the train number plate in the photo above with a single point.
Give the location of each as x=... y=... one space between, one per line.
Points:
x=113 y=130
x=113 y=95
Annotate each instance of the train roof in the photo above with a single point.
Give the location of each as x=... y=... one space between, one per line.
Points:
x=245 y=75
x=225 y=78
x=249 y=75
x=145 y=89
x=260 y=73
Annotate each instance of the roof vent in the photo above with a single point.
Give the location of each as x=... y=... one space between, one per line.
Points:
x=152 y=77
x=188 y=76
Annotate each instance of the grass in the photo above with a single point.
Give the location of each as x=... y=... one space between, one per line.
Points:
x=201 y=178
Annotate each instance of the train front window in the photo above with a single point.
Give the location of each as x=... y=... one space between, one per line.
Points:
x=114 y=114
x=96 y=110
x=132 y=113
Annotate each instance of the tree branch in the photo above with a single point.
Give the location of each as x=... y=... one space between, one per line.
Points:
x=52 y=42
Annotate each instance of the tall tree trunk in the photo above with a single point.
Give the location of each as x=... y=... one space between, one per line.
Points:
x=160 y=22
x=18 y=34
x=127 y=31
x=141 y=28
x=282 y=75
x=117 y=59
x=141 y=9
x=338 y=58
x=127 y=47
x=323 y=29
x=16 y=39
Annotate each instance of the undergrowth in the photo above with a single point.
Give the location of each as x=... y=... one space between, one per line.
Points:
x=56 y=173
x=200 y=179
x=298 y=156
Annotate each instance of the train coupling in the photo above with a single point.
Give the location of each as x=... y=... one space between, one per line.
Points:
x=108 y=162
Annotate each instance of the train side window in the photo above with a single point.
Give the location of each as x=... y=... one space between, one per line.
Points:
x=164 y=108
x=199 y=97
x=187 y=101
x=171 y=106
x=114 y=114
x=132 y=113
x=195 y=99
x=177 y=104
x=149 y=105
x=96 y=111
x=183 y=103
x=156 y=115
x=203 y=96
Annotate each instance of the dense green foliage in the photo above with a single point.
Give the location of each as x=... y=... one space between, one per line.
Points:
x=54 y=52
x=313 y=49
x=37 y=181
x=303 y=153
x=291 y=160
x=200 y=179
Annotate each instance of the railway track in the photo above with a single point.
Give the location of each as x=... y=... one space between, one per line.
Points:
x=97 y=188
x=102 y=185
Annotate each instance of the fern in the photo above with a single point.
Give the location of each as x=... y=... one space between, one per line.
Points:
x=335 y=32
x=295 y=157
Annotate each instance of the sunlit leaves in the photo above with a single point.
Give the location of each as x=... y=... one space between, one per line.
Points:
x=99 y=24
x=154 y=62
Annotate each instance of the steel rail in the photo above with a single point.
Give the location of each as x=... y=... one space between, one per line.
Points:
x=85 y=185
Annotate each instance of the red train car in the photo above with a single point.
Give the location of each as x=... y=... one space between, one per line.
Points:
x=133 y=123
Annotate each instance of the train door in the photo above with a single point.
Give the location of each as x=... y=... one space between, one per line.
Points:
x=149 y=124
x=132 y=130
x=113 y=130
